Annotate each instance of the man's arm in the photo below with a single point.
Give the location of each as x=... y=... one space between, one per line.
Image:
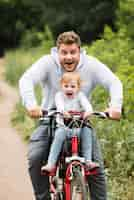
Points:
x=35 y=74
x=105 y=77
x=85 y=102
x=115 y=105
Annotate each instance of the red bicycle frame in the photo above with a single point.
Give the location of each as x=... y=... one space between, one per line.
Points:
x=73 y=160
x=76 y=160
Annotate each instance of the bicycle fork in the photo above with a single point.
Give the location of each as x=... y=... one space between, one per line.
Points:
x=73 y=162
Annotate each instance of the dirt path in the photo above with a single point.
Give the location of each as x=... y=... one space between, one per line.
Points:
x=14 y=178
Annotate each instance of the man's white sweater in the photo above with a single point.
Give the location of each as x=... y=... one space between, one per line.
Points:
x=47 y=71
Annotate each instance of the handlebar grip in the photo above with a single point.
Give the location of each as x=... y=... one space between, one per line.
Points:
x=44 y=112
x=107 y=114
x=50 y=113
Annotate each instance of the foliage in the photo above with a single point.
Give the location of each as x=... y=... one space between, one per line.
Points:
x=113 y=50
x=28 y=17
x=117 y=138
x=32 y=38
x=86 y=13
x=26 y=122
x=125 y=15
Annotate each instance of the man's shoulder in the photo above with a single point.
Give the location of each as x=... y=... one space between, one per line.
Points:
x=59 y=94
x=93 y=65
x=91 y=59
x=46 y=62
x=46 y=58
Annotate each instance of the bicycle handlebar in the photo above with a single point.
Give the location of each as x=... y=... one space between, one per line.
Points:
x=74 y=114
x=74 y=120
x=50 y=113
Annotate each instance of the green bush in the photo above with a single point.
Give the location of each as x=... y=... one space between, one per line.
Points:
x=34 y=38
x=114 y=49
x=125 y=16
x=117 y=138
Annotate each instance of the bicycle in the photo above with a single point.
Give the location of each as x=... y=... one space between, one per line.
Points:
x=69 y=179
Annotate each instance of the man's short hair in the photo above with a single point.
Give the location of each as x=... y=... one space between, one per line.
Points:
x=69 y=37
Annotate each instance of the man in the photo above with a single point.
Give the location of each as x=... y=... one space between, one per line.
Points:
x=66 y=57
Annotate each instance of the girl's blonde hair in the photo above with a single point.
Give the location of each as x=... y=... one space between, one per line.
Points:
x=71 y=76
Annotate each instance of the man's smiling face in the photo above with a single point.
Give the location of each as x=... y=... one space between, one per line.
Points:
x=69 y=56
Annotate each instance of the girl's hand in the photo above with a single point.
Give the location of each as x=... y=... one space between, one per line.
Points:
x=66 y=114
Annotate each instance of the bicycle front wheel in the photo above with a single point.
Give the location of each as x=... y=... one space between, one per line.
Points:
x=59 y=196
x=79 y=189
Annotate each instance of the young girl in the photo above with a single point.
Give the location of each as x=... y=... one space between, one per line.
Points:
x=71 y=98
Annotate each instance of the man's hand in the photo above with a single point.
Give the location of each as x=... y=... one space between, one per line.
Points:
x=35 y=112
x=86 y=115
x=114 y=113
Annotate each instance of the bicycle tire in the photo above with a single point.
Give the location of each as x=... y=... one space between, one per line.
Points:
x=79 y=189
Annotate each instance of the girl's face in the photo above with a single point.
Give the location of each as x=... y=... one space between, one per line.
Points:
x=70 y=89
